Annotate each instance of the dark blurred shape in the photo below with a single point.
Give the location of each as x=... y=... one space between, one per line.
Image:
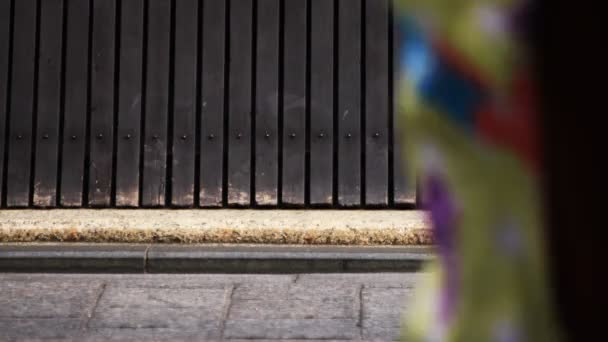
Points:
x=567 y=59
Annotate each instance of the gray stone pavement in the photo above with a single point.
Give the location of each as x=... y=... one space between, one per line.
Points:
x=203 y=307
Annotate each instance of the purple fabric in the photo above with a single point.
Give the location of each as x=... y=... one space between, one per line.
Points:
x=443 y=215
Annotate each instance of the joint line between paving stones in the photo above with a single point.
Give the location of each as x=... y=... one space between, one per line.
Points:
x=360 y=321
x=97 y=299
x=146 y=258
x=228 y=299
x=296 y=278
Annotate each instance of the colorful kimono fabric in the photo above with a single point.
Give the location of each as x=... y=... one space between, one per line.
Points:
x=467 y=108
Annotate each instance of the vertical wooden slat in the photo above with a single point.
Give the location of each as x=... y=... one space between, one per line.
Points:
x=294 y=103
x=157 y=103
x=376 y=103
x=321 y=101
x=102 y=102
x=22 y=103
x=212 y=103
x=5 y=21
x=349 y=103
x=75 y=98
x=49 y=102
x=404 y=189
x=129 y=103
x=239 y=106
x=184 y=102
x=267 y=111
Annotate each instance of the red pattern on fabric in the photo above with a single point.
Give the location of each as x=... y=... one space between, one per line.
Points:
x=515 y=127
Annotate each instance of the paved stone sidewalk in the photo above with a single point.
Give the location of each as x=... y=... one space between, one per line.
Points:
x=362 y=307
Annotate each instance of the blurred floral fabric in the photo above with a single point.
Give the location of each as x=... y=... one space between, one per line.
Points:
x=467 y=108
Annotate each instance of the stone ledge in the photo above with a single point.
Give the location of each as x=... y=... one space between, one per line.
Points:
x=208 y=258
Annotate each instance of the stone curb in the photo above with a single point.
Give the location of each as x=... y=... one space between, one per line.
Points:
x=132 y=258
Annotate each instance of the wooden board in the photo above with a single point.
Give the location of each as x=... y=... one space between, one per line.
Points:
x=376 y=103
x=239 y=102
x=5 y=40
x=130 y=96
x=266 y=103
x=101 y=138
x=212 y=103
x=156 y=103
x=22 y=105
x=349 y=103
x=294 y=103
x=75 y=102
x=49 y=103
x=184 y=103
x=321 y=102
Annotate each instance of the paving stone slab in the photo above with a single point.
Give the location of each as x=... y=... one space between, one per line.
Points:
x=118 y=297
x=326 y=308
x=378 y=332
x=27 y=328
x=407 y=279
x=290 y=340
x=207 y=331
x=292 y=329
x=148 y=336
x=384 y=304
x=273 y=291
x=49 y=299
x=139 y=308
x=197 y=280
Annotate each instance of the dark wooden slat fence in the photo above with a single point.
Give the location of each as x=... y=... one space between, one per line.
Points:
x=187 y=103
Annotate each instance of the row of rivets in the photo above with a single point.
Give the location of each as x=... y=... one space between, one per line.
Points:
x=210 y=136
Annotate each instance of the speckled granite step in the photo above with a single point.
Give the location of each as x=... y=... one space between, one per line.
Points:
x=310 y=227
